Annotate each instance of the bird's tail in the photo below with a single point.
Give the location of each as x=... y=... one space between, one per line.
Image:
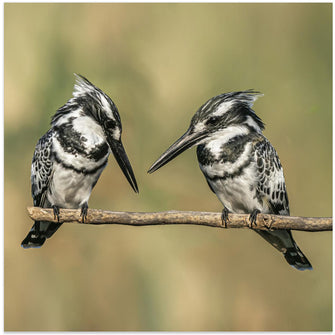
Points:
x=284 y=242
x=297 y=259
x=39 y=232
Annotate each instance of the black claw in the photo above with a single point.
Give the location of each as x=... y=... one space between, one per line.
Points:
x=253 y=217
x=83 y=213
x=56 y=212
x=224 y=217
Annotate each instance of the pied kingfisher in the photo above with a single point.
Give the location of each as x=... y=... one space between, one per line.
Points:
x=70 y=157
x=240 y=165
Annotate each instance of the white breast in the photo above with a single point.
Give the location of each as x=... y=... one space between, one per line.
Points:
x=237 y=194
x=234 y=183
x=70 y=189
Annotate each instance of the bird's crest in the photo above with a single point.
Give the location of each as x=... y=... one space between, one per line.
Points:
x=92 y=99
x=82 y=86
x=247 y=97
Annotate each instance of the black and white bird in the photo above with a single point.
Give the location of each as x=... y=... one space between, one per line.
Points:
x=70 y=157
x=240 y=165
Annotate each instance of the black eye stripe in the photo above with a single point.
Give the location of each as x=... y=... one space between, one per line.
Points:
x=213 y=120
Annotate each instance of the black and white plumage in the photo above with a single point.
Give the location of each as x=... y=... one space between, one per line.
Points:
x=70 y=157
x=240 y=165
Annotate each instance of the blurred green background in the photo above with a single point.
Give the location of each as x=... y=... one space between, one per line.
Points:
x=160 y=63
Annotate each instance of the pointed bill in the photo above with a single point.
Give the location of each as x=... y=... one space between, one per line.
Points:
x=123 y=161
x=186 y=141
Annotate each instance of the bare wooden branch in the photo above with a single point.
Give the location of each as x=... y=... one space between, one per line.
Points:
x=210 y=219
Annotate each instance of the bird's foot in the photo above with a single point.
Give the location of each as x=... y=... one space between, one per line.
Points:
x=83 y=213
x=56 y=212
x=253 y=218
x=224 y=217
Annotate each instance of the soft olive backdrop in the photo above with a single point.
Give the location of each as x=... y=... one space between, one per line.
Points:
x=160 y=63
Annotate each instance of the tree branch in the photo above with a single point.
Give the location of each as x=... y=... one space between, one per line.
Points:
x=210 y=219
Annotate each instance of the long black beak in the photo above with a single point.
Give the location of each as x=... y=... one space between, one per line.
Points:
x=123 y=161
x=189 y=139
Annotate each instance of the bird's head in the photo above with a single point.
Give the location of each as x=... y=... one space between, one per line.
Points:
x=94 y=103
x=225 y=114
x=98 y=105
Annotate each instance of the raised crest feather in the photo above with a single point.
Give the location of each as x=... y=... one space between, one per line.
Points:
x=82 y=86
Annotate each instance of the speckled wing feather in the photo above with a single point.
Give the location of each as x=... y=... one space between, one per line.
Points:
x=271 y=188
x=271 y=183
x=41 y=170
x=41 y=175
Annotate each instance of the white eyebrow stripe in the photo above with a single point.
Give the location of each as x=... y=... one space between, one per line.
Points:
x=223 y=108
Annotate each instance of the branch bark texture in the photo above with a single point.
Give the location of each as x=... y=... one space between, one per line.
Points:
x=210 y=219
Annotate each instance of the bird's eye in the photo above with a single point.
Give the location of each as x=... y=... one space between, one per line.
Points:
x=212 y=120
x=109 y=124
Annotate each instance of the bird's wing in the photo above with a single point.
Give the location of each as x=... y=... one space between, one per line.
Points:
x=271 y=188
x=210 y=186
x=41 y=169
x=271 y=183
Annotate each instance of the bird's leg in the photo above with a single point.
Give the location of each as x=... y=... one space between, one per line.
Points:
x=56 y=212
x=224 y=217
x=253 y=217
x=83 y=212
